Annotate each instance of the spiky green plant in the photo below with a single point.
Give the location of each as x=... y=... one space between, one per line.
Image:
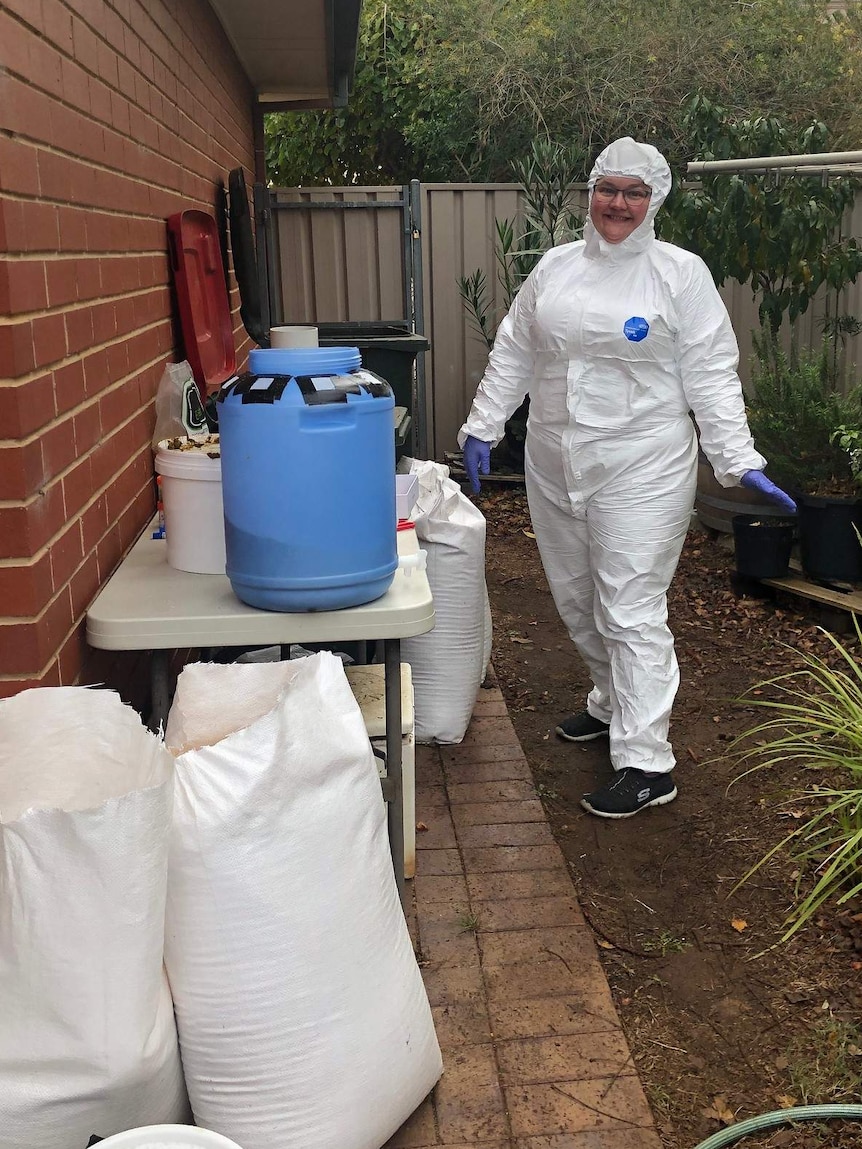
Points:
x=547 y=174
x=816 y=723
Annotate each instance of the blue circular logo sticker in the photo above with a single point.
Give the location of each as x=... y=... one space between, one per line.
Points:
x=635 y=329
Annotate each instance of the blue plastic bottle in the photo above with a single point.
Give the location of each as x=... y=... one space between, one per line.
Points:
x=308 y=480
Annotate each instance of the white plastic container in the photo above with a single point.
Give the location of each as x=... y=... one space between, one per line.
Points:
x=406 y=494
x=168 y=1137
x=190 y=468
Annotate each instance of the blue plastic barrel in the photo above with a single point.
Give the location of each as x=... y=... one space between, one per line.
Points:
x=308 y=480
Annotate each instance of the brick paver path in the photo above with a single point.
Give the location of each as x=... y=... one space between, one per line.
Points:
x=534 y=1055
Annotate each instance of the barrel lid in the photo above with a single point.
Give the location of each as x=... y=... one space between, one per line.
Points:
x=199 y=276
x=303 y=360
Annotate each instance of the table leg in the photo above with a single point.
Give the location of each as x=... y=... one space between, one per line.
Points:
x=392 y=677
x=160 y=698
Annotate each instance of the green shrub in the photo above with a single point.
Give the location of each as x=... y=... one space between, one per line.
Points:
x=794 y=410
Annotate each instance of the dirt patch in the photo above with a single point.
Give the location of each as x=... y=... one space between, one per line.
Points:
x=717 y=1033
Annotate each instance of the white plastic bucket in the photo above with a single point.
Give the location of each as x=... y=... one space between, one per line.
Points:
x=192 y=498
x=168 y=1137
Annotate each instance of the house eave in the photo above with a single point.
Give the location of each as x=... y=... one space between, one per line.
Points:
x=296 y=54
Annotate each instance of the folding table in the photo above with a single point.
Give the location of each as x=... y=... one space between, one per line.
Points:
x=148 y=605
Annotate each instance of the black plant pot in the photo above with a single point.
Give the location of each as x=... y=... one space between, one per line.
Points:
x=716 y=505
x=763 y=545
x=829 y=545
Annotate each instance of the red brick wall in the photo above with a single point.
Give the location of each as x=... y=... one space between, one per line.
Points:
x=113 y=115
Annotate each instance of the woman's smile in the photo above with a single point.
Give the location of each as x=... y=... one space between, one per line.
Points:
x=613 y=216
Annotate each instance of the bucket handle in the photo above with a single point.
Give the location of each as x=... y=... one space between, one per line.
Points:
x=339 y=417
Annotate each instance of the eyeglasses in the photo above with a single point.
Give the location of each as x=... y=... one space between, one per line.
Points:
x=630 y=195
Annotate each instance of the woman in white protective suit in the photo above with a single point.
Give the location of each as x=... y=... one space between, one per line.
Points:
x=616 y=338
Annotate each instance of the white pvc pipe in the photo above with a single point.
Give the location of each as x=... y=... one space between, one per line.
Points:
x=822 y=160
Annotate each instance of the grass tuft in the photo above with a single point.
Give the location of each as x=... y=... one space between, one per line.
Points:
x=816 y=724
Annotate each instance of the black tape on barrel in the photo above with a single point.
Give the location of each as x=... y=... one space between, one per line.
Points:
x=249 y=392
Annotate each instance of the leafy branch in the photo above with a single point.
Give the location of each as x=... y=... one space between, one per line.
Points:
x=781 y=234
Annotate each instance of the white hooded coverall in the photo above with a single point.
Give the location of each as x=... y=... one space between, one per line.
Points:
x=615 y=344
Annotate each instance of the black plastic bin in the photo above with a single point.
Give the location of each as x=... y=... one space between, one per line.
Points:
x=763 y=545
x=829 y=542
x=389 y=350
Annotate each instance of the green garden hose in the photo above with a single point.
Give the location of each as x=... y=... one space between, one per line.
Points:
x=734 y=1133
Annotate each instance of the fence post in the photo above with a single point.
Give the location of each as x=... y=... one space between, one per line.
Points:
x=418 y=309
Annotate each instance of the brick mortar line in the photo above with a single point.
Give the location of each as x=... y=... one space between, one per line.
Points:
x=25 y=504
x=208 y=71
x=101 y=165
x=473 y=903
x=85 y=405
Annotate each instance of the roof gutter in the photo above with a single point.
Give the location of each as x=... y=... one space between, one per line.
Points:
x=343 y=21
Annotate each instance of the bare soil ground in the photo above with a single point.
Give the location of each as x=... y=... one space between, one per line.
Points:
x=718 y=1033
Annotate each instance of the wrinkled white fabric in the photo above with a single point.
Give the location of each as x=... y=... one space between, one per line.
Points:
x=609 y=558
x=448 y=663
x=304 y=1022
x=615 y=344
x=88 y=1042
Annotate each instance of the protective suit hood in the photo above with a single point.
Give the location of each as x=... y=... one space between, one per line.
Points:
x=626 y=157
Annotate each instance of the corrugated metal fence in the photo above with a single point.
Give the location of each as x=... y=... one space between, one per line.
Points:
x=358 y=265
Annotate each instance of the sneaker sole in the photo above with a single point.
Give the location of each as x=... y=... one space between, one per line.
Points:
x=558 y=730
x=662 y=800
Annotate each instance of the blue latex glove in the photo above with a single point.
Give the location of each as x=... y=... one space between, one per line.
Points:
x=477 y=460
x=757 y=481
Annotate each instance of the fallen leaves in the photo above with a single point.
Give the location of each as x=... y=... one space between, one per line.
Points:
x=719 y=1111
x=797 y=997
x=724 y=645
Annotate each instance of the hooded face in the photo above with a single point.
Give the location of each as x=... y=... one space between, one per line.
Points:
x=618 y=205
x=626 y=165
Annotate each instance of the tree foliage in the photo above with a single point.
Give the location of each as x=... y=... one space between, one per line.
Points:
x=780 y=234
x=372 y=139
x=459 y=89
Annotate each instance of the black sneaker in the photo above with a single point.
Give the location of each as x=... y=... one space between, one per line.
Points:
x=629 y=791
x=582 y=728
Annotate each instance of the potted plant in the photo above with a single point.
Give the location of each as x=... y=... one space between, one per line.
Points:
x=808 y=429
